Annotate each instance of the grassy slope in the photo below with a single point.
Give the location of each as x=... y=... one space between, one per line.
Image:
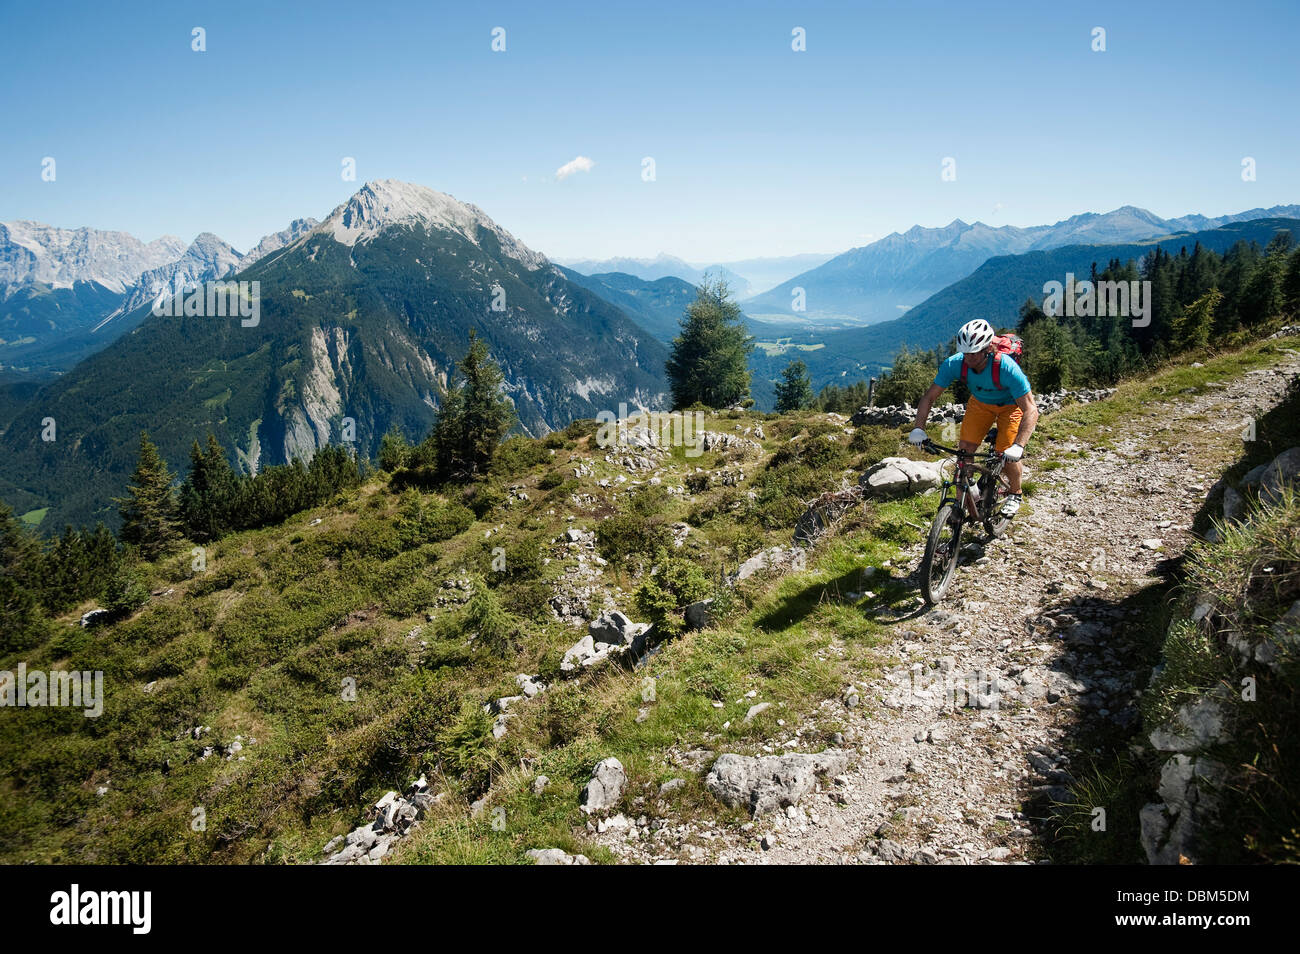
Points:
x=260 y=643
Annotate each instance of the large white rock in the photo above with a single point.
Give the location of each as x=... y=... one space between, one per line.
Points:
x=578 y=653
x=899 y=477
x=1285 y=469
x=1195 y=725
x=605 y=787
x=767 y=783
x=773 y=558
x=556 y=856
x=614 y=628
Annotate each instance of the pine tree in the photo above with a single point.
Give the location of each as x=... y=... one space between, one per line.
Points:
x=475 y=415
x=709 y=362
x=842 y=400
x=1202 y=271
x=1163 y=303
x=1263 y=296
x=149 y=513
x=1192 y=328
x=1291 y=285
x=207 y=498
x=19 y=611
x=908 y=378
x=1031 y=312
x=394 y=451
x=75 y=567
x=794 y=390
x=1050 y=357
x=489 y=414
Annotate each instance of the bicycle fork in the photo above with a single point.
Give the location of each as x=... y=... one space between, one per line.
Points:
x=970 y=497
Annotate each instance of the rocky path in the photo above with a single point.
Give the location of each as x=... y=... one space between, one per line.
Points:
x=979 y=718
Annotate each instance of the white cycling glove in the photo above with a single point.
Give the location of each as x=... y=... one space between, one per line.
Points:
x=918 y=436
x=1013 y=453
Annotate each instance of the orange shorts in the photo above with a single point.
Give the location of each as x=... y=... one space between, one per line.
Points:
x=980 y=417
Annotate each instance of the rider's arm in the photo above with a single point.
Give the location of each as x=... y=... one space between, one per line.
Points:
x=927 y=401
x=1028 y=419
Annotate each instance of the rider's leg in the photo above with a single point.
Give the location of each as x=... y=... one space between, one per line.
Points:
x=1013 y=472
x=1008 y=427
x=975 y=425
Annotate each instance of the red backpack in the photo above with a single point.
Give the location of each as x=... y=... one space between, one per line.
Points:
x=1012 y=346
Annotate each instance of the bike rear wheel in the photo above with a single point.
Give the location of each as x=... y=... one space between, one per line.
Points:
x=941 y=551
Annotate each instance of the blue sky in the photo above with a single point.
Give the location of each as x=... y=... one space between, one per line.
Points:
x=759 y=150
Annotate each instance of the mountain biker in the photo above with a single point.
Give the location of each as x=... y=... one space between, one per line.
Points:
x=1011 y=405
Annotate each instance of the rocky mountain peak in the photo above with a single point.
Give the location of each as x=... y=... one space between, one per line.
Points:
x=389 y=203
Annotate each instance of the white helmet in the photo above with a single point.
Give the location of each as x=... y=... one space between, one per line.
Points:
x=974 y=336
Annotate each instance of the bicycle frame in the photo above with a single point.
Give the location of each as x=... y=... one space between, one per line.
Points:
x=962 y=486
x=970 y=493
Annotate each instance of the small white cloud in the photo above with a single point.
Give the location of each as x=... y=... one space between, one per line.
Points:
x=997 y=208
x=581 y=164
x=902 y=307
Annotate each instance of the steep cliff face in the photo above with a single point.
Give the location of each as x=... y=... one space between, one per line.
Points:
x=315 y=418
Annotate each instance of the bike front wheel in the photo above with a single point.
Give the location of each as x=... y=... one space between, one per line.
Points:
x=997 y=525
x=941 y=550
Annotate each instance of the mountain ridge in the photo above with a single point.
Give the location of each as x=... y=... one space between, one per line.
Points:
x=871 y=283
x=367 y=332
x=60 y=257
x=994 y=291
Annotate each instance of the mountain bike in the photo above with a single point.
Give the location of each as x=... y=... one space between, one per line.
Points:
x=971 y=492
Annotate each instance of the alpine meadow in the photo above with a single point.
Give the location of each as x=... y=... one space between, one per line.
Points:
x=688 y=435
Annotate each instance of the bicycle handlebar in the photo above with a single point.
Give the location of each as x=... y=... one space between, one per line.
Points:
x=931 y=445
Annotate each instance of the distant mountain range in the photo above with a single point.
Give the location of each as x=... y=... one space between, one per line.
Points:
x=44 y=335
x=362 y=320
x=880 y=281
x=994 y=291
x=64 y=293
x=59 y=258
x=744 y=277
x=208 y=258
x=659 y=305
x=363 y=317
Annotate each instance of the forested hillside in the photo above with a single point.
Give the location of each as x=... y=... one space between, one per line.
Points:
x=350 y=341
x=1215 y=287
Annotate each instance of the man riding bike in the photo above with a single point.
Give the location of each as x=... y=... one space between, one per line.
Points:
x=1000 y=394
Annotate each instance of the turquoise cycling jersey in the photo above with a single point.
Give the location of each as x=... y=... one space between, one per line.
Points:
x=1014 y=383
